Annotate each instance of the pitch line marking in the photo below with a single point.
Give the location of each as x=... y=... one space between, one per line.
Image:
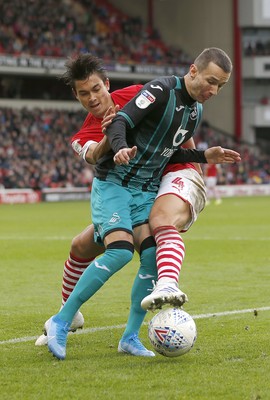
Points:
x=52 y=238
x=105 y=328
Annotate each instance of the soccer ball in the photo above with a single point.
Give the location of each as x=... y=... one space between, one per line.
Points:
x=172 y=332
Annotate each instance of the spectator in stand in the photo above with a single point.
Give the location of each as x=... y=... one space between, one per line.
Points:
x=39 y=31
x=41 y=160
x=35 y=137
x=211 y=180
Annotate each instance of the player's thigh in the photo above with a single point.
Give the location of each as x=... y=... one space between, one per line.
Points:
x=170 y=209
x=83 y=245
x=141 y=207
x=111 y=211
x=181 y=197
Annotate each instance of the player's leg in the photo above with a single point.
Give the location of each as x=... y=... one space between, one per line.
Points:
x=83 y=251
x=117 y=254
x=111 y=216
x=175 y=209
x=169 y=214
x=130 y=342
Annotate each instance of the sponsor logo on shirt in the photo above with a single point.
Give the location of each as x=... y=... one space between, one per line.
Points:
x=167 y=152
x=145 y=99
x=179 y=136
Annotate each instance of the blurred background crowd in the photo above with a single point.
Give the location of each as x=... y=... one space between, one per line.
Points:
x=35 y=150
x=42 y=29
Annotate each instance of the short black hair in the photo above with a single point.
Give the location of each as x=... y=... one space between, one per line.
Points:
x=81 y=66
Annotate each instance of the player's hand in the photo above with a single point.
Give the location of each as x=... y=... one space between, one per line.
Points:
x=219 y=155
x=108 y=117
x=124 y=155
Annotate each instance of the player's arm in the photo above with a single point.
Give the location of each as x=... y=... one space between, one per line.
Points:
x=213 y=155
x=130 y=116
x=116 y=134
x=96 y=151
x=189 y=144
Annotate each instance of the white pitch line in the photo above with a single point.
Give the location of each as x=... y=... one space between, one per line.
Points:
x=106 y=328
x=52 y=238
x=40 y=238
x=224 y=313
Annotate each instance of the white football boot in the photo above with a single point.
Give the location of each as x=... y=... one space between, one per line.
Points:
x=166 y=291
x=77 y=323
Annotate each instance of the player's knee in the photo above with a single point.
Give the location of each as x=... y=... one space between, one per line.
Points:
x=182 y=219
x=157 y=218
x=76 y=245
x=121 y=252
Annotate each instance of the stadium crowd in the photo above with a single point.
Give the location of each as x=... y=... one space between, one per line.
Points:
x=35 y=152
x=34 y=28
x=254 y=167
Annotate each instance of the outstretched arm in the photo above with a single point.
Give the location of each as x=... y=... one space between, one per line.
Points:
x=219 y=155
x=213 y=155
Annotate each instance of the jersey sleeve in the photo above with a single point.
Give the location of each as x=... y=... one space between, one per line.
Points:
x=88 y=134
x=122 y=96
x=150 y=97
x=188 y=155
x=90 y=131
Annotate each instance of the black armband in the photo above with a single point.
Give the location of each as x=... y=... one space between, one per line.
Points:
x=188 y=155
x=116 y=134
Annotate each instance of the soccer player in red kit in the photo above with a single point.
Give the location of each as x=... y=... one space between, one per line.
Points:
x=92 y=91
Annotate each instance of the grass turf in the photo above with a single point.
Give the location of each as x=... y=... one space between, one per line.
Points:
x=226 y=268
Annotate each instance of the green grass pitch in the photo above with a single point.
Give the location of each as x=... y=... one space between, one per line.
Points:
x=225 y=273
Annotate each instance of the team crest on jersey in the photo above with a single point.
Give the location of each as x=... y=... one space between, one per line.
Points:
x=145 y=99
x=76 y=146
x=194 y=114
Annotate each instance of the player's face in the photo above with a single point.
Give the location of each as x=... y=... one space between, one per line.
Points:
x=93 y=94
x=206 y=83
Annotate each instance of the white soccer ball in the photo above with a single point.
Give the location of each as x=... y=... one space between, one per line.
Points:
x=172 y=332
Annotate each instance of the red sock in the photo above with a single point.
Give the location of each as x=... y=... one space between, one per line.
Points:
x=73 y=269
x=170 y=252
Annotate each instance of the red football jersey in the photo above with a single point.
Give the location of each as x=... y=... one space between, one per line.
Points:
x=211 y=170
x=177 y=167
x=91 y=128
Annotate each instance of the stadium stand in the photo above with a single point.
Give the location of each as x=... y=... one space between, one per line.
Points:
x=94 y=26
x=254 y=167
x=35 y=151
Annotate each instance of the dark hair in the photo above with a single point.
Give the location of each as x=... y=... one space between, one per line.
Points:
x=80 y=67
x=216 y=56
